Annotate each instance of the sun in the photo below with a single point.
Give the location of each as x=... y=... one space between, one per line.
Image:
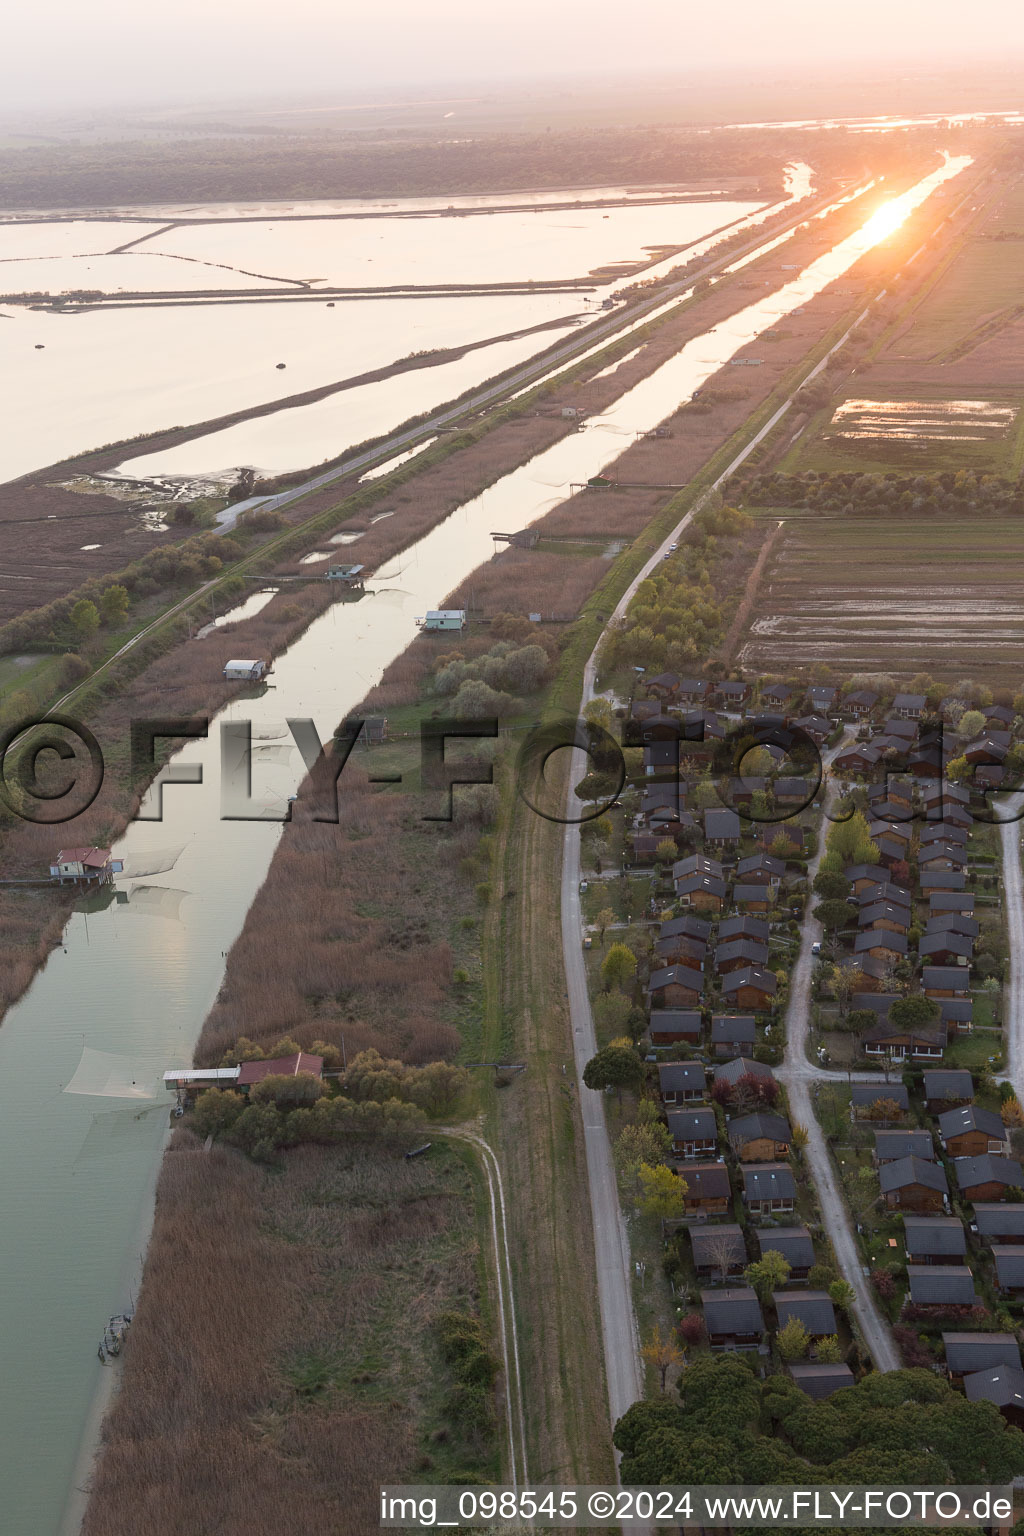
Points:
x=885 y=221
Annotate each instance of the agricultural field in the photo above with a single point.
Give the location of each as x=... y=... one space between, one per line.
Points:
x=871 y=595
x=913 y=427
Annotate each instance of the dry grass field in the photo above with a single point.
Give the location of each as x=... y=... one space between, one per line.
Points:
x=874 y=595
x=284 y=1358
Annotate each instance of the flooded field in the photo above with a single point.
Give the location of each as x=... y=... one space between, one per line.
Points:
x=872 y=595
x=962 y=421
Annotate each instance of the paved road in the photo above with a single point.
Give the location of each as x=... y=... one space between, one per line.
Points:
x=1010 y=834
x=799 y=1074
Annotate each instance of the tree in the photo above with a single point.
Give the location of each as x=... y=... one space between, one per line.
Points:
x=615 y=1068
x=972 y=723
x=793 y=1340
x=476 y=701
x=915 y=1012
x=720 y=1248
x=85 y=618
x=841 y=1294
x=828 y=1350
x=662 y=1192
x=598 y=712
x=603 y=921
x=215 y=1112
x=849 y=842
x=662 y=1352
x=830 y=885
x=1011 y=1114
x=843 y=983
x=288 y=1090
x=640 y=1144
x=834 y=915
x=691 y=1328
x=799 y=1138
x=114 y=604
x=618 y=967
x=666 y=851
x=883 y=1109
x=768 y=1273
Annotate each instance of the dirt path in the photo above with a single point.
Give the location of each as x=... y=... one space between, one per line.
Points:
x=738 y=624
x=1013 y=898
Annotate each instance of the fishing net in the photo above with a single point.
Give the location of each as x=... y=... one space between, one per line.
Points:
x=106 y=1074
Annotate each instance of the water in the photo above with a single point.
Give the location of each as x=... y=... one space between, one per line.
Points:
x=136 y=980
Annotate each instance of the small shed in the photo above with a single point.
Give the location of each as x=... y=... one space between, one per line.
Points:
x=443 y=621
x=245 y=671
x=89 y=866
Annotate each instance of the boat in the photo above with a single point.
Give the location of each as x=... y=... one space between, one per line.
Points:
x=114 y=1335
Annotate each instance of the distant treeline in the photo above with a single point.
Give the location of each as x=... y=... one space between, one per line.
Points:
x=888 y=494
x=335 y=165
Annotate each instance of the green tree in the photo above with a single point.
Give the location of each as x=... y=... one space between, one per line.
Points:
x=848 y=842
x=618 y=967
x=640 y=1144
x=793 y=1340
x=830 y=885
x=288 y=1090
x=114 y=604
x=828 y=1350
x=972 y=723
x=662 y=1192
x=666 y=851
x=85 y=618
x=833 y=915
x=767 y=1274
x=915 y=1012
x=215 y=1112
x=841 y=1294
x=614 y=1067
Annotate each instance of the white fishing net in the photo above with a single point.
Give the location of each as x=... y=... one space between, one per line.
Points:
x=108 y=1075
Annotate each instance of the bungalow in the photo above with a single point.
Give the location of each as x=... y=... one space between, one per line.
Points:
x=998 y=716
x=945 y=981
x=692 y=691
x=900 y=830
x=253 y=1072
x=742 y=790
x=705 y=893
x=864 y=1096
x=999 y=1223
x=885 y=916
x=733 y=1034
x=822 y=697
x=960 y=902
x=675 y=986
x=85 y=866
x=731 y=694
x=661 y=757
x=732 y=1071
x=967 y=1353
x=820 y=1381
x=941 y=1286
x=682 y=1082
x=957 y=1014
x=913 y=1185
x=795 y=1245
x=722 y=829
x=988 y=749
x=971 y=1132
x=777 y=695
x=738 y=953
x=664 y=686
x=759 y=1138
x=769 y=1189
x=862 y=877
x=718 y=1251
x=1003 y=1385
x=815 y=726
x=890 y=852
x=953 y=922
x=946 y=949
x=761 y=869
x=694 y=1132
x=944 y=1089
x=866 y=972
x=860 y=759
x=744 y=926
x=939 y=832
x=690 y=925
x=812 y=1308
x=909 y=706
x=934 y=1239
x=696 y=864
x=733 y=1318
x=681 y=949
x=797 y=791
x=883 y=944
x=890 y=1146
x=708 y=1190
x=669 y=1026
x=987 y=1177
x=860 y=702
x=898 y=1044
x=942 y=880
x=753 y=898
x=941 y=856
x=1009 y=1261
x=900 y=730
x=886 y=891
x=753 y=987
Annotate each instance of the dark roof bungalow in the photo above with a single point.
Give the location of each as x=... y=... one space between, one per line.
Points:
x=733 y=1318
x=999 y=1223
x=1009 y=1261
x=820 y=1381
x=717 y=1249
x=941 y=1285
x=913 y=1185
x=1003 y=1385
x=967 y=1353
x=669 y=1026
x=934 y=1239
x=987 y=1177
x=795 y=1245
x=812 y=1308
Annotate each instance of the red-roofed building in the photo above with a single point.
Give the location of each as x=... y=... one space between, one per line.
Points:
x=91 y=864
x=284 y=1066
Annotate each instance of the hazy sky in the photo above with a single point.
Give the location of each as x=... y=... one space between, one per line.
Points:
x=107 y=51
